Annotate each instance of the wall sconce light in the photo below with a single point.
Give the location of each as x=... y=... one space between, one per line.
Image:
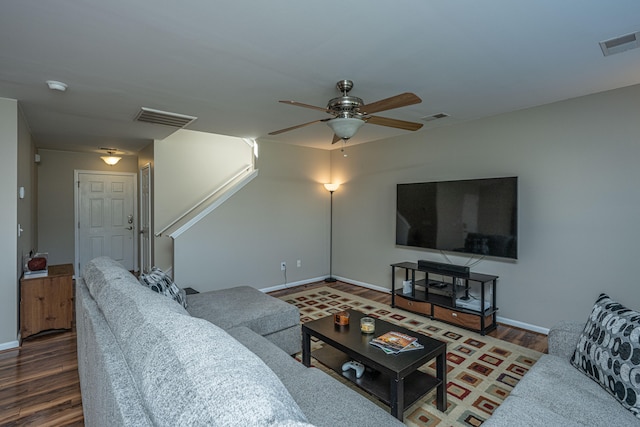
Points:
x=111 y=160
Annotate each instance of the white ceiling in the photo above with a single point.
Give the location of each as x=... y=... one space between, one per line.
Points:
x=228 y=62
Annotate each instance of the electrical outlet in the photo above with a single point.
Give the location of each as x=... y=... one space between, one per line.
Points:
x=283 y=266
x=299 y=263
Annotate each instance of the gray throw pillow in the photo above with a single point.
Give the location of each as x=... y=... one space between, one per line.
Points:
x=158 y=281
x=608 y=351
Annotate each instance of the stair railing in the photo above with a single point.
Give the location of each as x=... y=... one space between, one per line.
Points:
x=243 y=171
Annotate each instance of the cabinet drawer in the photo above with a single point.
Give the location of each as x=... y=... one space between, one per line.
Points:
x=415 y=306
x=465 y=320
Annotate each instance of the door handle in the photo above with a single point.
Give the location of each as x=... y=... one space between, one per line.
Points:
x=130 y=227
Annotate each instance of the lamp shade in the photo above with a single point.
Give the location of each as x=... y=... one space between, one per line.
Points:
x=345 y=127
x=331 y=187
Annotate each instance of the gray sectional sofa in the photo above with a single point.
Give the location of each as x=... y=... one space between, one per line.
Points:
x=144 y=360
x=555 y=393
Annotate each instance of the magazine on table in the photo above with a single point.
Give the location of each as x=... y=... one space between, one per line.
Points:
x=396 y=342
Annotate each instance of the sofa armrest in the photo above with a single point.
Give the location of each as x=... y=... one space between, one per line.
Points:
x=563 y=338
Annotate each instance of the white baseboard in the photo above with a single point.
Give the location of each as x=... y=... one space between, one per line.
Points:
x=9 y=345
x=364 y=285
x=292 y=284
x=522 y=325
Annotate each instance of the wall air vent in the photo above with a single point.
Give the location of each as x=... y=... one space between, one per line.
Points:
x=434 y=117
x=149 y=115
x=620 y=44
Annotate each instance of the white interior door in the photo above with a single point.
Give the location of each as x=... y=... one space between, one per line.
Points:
x=106 y=210
x=146 y=258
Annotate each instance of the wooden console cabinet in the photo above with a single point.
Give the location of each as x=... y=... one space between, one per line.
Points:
x=47 y=302
x=441 y=295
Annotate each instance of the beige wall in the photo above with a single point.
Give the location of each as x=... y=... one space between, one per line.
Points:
x=56 y=232
x=9 y=261
x=188 y=166
x=282 y=215
x=579 y=203
x=26 y=178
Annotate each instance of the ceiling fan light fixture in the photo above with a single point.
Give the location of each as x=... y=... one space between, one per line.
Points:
x=345 y=127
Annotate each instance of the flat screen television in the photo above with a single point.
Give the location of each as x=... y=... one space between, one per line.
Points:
x=476 y=216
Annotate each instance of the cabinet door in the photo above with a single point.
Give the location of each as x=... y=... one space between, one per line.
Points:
x=46 y=303
x=60 y=311
x=31 y=306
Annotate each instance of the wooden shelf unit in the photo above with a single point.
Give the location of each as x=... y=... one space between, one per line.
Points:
x=46 y=303
x=437 y=299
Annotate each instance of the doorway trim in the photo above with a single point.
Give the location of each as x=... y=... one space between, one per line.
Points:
x=76 y=213
x=149 y=218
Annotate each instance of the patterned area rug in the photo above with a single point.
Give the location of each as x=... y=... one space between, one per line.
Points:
x=481 y=371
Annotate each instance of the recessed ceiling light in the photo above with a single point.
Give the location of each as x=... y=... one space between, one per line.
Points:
x=55 y=85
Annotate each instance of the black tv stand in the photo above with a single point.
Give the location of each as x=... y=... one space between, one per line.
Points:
x=448 y=296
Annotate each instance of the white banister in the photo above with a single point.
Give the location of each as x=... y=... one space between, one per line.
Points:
x=247 y=179
x=244 y=170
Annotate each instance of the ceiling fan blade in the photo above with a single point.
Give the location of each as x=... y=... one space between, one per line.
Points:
x=300 y=104
x=394 y=123
x=397 y=101
x=278 y=132
x=336 y=138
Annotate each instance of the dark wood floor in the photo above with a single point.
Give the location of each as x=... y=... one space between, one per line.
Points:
x=39 y=383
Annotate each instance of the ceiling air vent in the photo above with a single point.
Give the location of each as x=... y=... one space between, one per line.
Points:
x=620 y=44
x=434 y=117
x=149 y=115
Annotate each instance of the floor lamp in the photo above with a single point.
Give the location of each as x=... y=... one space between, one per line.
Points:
x=331 y=188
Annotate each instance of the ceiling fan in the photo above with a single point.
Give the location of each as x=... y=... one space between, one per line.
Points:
x=350 y=113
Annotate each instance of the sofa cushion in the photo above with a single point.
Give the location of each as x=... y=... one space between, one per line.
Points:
x=158 y=281
x=323 y=399
x=103 y=273
x=518 y=412
x=608 y=351
x=554 y=384
x=244 y=306
x=563 y=337
x=109 y=393
x=187 y=369
x=190 y=372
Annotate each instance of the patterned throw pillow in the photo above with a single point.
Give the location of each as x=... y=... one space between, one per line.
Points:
x=158 y=281
x=608 y=351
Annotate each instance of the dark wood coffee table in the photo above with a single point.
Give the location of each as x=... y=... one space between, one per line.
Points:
x=394 y=379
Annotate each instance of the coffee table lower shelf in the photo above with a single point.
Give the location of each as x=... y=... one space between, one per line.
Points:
x=416 y=385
